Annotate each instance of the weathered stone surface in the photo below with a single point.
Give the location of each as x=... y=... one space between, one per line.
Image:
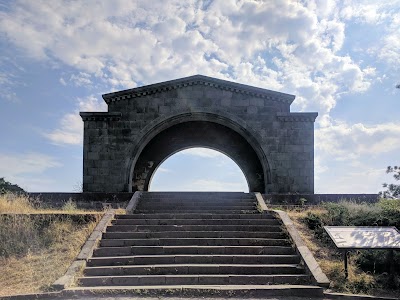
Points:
x=143 y=126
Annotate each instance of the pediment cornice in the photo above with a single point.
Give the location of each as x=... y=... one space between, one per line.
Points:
x=100 y=116
x=297 y=117
x=198 y=80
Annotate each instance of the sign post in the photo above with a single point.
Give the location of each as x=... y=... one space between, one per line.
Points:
x=346 y=271
x=347 y=238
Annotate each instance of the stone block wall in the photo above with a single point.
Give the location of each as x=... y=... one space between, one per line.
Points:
x=112 y=139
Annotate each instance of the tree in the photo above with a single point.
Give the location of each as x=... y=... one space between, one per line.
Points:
x=6 y=186
x=393 y=190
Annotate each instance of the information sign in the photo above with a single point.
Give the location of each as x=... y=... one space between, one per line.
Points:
x=347 y=237
x=358 y=237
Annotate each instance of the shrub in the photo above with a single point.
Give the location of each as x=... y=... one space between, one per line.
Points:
x=69 y=206
x=13 y=203
x=313 y=221
x=338 y=214
x=361 y=283
x=376 y=261
x=389 y=205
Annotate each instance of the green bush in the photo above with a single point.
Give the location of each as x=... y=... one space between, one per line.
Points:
x=347 y=213
x=362 y=283
x=376 y=261
x=338 y=214
x=313 y=221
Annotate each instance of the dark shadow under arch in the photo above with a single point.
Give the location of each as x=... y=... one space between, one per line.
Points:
x=198 y=133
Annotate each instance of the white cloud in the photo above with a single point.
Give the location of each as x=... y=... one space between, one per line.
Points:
x=62 y=81
x=81 y=79
x=215 y=185
x=354 y=180
x=390 y=49
x=282 y=45
x=205 y=185
x=163 y=170
x=202 y=152
x=5 y=78
x=70 y=130
x=373 y=12
x=346 y=142
x=8 y=83
x=9 y=95
x=26 y=163
x=379 y=13
x=352 y=158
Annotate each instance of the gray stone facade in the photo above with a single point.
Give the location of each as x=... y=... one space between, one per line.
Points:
x=143 y=126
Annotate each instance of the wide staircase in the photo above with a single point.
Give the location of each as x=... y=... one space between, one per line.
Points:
x=196 y=240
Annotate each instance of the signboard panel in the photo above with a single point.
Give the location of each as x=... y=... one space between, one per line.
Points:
x=349 y=237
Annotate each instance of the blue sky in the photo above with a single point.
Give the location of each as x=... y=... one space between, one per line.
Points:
x=340 y=58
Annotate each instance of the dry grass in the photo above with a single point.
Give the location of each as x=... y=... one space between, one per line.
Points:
x=10 y=203
x=22 y=204
x=36 y=270
x=331 y=263
x=37 y=248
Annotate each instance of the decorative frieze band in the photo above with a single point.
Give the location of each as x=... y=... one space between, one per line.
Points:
x=297 y=117
x=198 y=80
x=100 y=116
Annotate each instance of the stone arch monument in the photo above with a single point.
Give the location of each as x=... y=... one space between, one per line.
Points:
x=143 y=126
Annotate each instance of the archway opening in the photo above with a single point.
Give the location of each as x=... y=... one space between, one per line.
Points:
x=163 y=142
x=198 y=169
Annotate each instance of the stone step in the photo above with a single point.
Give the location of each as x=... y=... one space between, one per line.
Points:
x=193 y=234
x=205 y=211
x=196 y=259
x=193 y=239
x=193 y=269
x=185 y=209
x=201 y=250
x=159 y=280
x=196 y=194
x=202 y=195
x=201 y=216
x=193 y=242
x=226 y=201
x=198 y=207
x=239 y=291
x=196 y=222
x=193 y=201
x=199 y=200
x=144 y=228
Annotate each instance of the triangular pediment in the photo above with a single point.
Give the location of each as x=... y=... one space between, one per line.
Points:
x=207 y=82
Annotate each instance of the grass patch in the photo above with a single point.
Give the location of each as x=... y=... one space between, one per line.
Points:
x=23 y=204
x=37 y=246
x=368 y=273
x=13 y=203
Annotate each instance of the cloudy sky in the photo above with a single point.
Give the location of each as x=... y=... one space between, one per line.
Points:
x=340 y=58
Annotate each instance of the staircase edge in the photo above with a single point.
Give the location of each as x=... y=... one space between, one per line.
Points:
x=86 y=252
x=310 y=263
